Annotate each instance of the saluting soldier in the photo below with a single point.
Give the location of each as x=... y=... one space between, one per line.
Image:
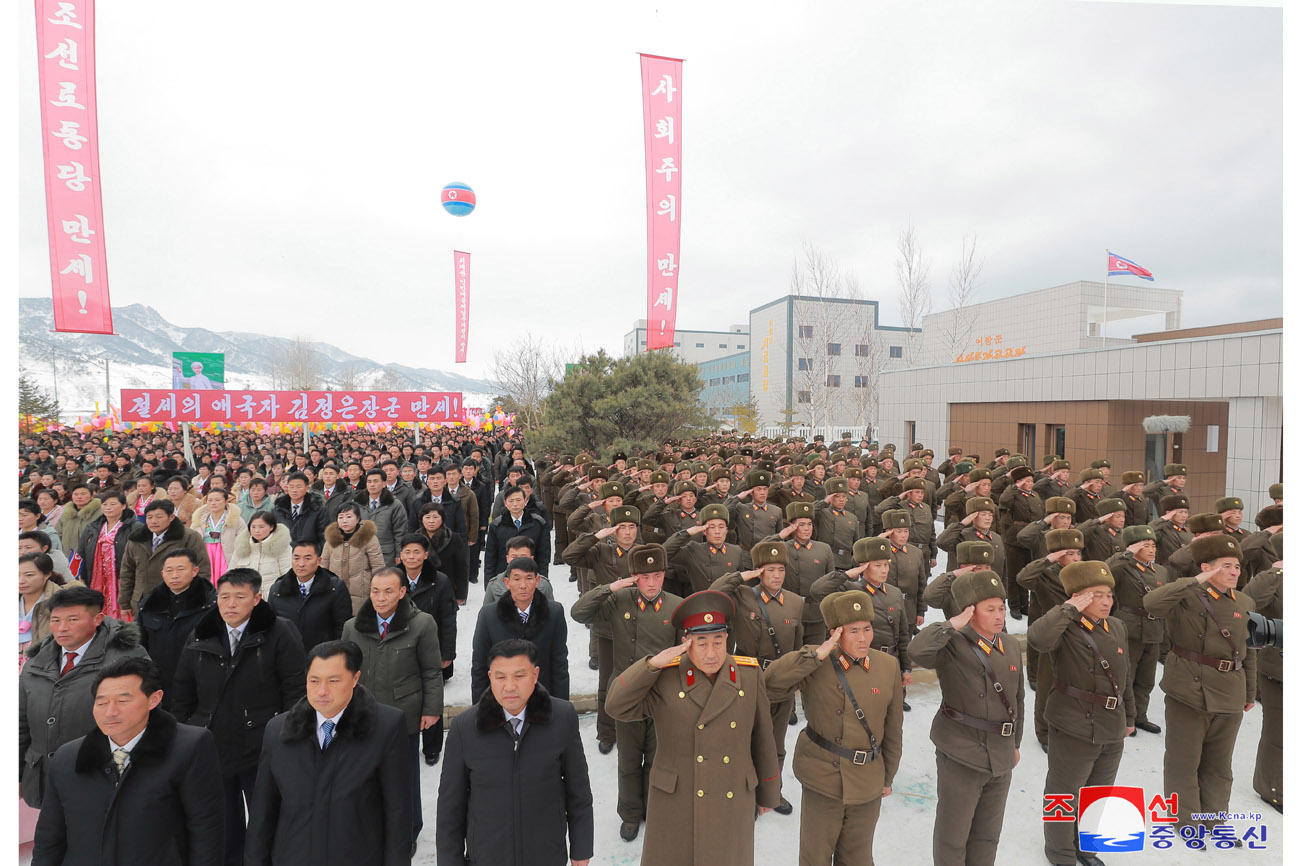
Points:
x=1231 y=508
x=1275 y=493
x=677 y=512
x=807 y=560
x=972 y=556
x=1266 y=590
x=1021 y=506
x=835 y=524
x=815 y=479
x=891 y=628
x=977 y=525
x=752 y=516
x=1056 y=482
x=793 y=489
x=847 y=756
x=716 y=759
x=605 y=555
x=1002 y=475
x=1171 y=528
x=699 y=564
x=655 y=492
x=955 y=484
x=1108 y=490
x=769 y=622
x=1046 y=469
x=1060 y=515
x=1209 y=679
x=1180 y=562
x=978 y=728
x=921 y=531
x=639 y=613
x=1043 y=579
x=978 y=483
x=858 y=500
x=1101 y=534
x=1087 y=495
x=1175 y=480
x=1257 y=549
x=1090 y=712
x=1136 y=573
x=1135 y=502
x=908 y=568
x=718 y=490
x=948 y=467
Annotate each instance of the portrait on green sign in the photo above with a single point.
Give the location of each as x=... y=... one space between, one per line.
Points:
x=198 y=371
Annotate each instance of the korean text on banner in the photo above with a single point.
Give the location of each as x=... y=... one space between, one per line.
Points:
x=462 y=305
x=330 y=407
x=661 y=100
x=65 y=44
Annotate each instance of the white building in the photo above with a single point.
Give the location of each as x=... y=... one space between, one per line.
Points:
x=692 y=347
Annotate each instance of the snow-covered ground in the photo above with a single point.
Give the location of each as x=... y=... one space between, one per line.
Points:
x=907 y=817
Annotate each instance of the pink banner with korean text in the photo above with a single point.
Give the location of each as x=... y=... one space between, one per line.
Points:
x=661 y=101
x=163 y=405
x=65 y=43
x=462 y=305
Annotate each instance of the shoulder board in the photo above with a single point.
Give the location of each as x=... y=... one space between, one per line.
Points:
x=674 y=663
x=749 y=661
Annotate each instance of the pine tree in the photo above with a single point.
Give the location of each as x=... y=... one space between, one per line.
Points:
x=33 y=403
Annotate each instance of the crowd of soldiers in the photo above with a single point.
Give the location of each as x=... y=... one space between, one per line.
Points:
x=724 y=577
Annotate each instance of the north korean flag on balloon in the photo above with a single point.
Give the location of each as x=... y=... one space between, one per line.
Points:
x=1119 y=267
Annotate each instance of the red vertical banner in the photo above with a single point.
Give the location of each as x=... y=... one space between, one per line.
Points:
x=661 y=100
x=462 y=305
x=65 y=43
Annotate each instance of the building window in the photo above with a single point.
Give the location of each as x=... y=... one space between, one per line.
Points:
x=643 y=342
x=860 y=382
x=742 y=377
x=699 y=345
x=805 y=396
x=895 y=351
x=832 y=381
x=714 y=382
x=1056 y=439
x=805 y=364
x=722 y=345
x=861 y=350
x=677 y=345
x=1028 y=439
x=740 y=345
x=805 y=330
x=832 y=349
x=910 y=426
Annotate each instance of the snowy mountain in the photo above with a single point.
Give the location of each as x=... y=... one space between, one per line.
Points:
x=71 y=366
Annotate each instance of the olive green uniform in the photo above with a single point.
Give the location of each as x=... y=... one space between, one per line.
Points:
x=1089 y=711
x=702 y=563
x=1203 y=703
x=838 y=527
x=1169 y=538
x=842 y=797
x=910 y=572
x=974 y=763
x=890 y=632
x=641 y=627
x=1019 y=508
x=1042 y=578
x=807 y=562
x=1100 y=541
x=752 y=522
x=1266 y=589
x=956 y=533
x=1146 y=631
x=922 y=534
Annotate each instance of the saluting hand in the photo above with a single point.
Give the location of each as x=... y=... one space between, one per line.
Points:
x=787 y=531
x=695 y=530
x=828 y=646
x=665 y=657
x=671 y=499
x=1057 y=555
x=744 y=494
x=961 y=619
x=857 y=570
x=1080 y=600
x=968 y=519
x=605 y=532
x=752 y=574
x=622 y=583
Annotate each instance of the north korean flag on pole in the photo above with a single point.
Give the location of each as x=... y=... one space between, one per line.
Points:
x=1118 y=266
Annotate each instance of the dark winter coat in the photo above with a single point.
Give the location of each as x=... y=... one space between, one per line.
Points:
x=389 y=520
x=312 y=519
x=452 y=553
x=453 y=511
x=402 y=669
x=90 y=540
x=165 y=810
x=505 y=803
x=235 y=697
x=501 y=529
x=167 y=621
x=349 y=805
x=546 y=628
x=53 y=710
x=140 y=569
x=318 y=617
x=435 y=595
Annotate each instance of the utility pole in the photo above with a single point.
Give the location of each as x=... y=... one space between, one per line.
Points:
x=108 y=389
x=54 y=368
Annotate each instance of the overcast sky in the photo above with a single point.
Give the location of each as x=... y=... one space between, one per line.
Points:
x=275 y=167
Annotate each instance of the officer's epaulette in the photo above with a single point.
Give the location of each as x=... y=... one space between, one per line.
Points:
x=748 y=661
x=674 y=663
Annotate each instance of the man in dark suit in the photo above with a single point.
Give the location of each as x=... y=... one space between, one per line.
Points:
x=483 y=785
x=313 y=598
x=334 y=779
x=525 y=613
x=138 y=790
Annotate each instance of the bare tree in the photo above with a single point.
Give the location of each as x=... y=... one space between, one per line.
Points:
x=391 y=380
x=525 y=371
x=299 y=369
x=869 y=354
x=913 y=270
x=822 y=328
x=350 y=378
x=963 y=284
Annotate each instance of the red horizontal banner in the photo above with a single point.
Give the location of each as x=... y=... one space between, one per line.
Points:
x=309 y=406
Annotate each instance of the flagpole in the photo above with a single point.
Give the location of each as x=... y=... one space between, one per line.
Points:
x=1105 y=302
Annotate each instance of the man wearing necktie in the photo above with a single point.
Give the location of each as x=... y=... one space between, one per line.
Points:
x=514 y=763
x=336 y=762
x=137 y=788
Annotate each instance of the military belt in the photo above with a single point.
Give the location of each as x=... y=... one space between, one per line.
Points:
x=858 y=756
x=1225 y=665
x=1136 y=611
x=1004 y=729
x=1110 y=702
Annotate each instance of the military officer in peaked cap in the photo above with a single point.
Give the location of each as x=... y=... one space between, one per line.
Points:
x=768 y=624
x=716 y=759
x=1136 y=573
x=639 y=613
x=1090 y=711
x=848 y=754
x=1209 y=679
x=978 y=728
